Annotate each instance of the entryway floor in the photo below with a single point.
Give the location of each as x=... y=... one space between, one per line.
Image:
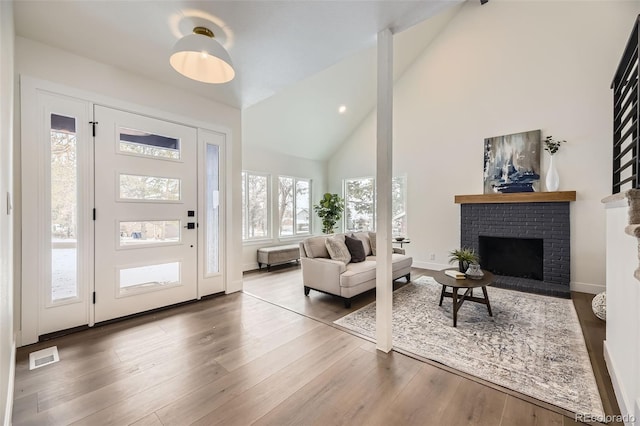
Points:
x=283 y=287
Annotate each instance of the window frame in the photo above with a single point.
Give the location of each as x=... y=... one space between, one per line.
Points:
x=374 y=202
x=245 y=205
x=346 y=203
x=294 y=208
x=404 y=197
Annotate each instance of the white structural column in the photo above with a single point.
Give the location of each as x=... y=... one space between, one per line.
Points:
x=384 y=173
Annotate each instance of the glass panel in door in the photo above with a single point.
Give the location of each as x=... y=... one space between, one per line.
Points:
x=211 y=229
x=212 y=255
x=149 y=232
x=149 y=188
x=63 y=209
x=144 y=278
x=137 y=142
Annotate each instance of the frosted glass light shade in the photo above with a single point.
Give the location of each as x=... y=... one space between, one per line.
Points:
x=203 y=59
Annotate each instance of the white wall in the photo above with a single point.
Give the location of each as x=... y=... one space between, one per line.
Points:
x=277 y=164
x=502 y=68
x=44 y=62
x=622 y=347
x=7 y=339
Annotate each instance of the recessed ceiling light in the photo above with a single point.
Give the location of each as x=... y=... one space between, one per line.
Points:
x=342 y=109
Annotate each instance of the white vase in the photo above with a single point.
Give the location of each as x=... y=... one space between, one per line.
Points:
x=552 y=180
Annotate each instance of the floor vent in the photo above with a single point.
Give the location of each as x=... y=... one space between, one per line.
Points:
x=43 y=357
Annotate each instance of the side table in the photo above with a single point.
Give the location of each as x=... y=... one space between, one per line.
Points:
x=405 y=241
x=468 y=284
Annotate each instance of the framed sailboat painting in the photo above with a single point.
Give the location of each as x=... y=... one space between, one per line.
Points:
x=512 y=163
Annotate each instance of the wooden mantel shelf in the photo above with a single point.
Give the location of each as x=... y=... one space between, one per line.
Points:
x=517 y=197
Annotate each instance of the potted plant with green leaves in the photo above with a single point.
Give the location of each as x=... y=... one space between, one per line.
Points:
x=329 y=209
x=463 y=257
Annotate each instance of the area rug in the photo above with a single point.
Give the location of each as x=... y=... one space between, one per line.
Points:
x=532 y=344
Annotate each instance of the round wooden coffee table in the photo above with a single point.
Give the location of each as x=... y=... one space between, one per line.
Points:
x=469 y=285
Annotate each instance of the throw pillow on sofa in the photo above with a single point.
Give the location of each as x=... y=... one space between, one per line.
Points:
x=364 y=237
x=356 y=248
x=316 y=247
x=372 y=239
x=338 y=249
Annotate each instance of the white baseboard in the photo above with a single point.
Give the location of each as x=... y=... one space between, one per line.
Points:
x=234 y=287
x=617 y=388
x=587 y=287
x=430 y=265
x=249 y=266
x=575 y=286
x=8 y=411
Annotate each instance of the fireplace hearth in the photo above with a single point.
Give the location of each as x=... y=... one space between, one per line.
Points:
x=525 y=244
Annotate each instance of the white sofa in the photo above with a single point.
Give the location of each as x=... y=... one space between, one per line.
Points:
x=321 y=273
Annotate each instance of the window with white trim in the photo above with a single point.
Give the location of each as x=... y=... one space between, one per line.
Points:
x=360 y=205
x=255 y=206
x=399 y=206
x=294 y=206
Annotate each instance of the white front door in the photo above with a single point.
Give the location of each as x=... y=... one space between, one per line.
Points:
x=150 y=182
x=146 y=213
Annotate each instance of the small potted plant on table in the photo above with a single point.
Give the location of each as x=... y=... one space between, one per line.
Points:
x=463 y=257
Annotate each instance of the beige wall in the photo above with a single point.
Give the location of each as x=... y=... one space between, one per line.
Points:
x=7 y=340
x=277 y=164
x=502 y=68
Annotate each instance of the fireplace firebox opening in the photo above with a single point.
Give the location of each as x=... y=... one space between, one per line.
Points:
x=515 y=257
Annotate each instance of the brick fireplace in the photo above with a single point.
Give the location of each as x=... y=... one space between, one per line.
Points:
x=539 y=222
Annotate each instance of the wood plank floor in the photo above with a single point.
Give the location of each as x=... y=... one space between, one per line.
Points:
x=283 y=287
x=239 y=360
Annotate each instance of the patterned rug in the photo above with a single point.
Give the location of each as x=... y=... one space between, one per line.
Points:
x=532 y=344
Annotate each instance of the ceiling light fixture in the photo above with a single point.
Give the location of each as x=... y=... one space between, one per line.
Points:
x=342 y=109
x=200 y=57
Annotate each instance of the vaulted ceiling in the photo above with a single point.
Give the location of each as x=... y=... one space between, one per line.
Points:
x=302 y=119
x=319 y=52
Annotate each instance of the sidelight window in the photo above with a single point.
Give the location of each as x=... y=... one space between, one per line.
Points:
x=63 y=202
